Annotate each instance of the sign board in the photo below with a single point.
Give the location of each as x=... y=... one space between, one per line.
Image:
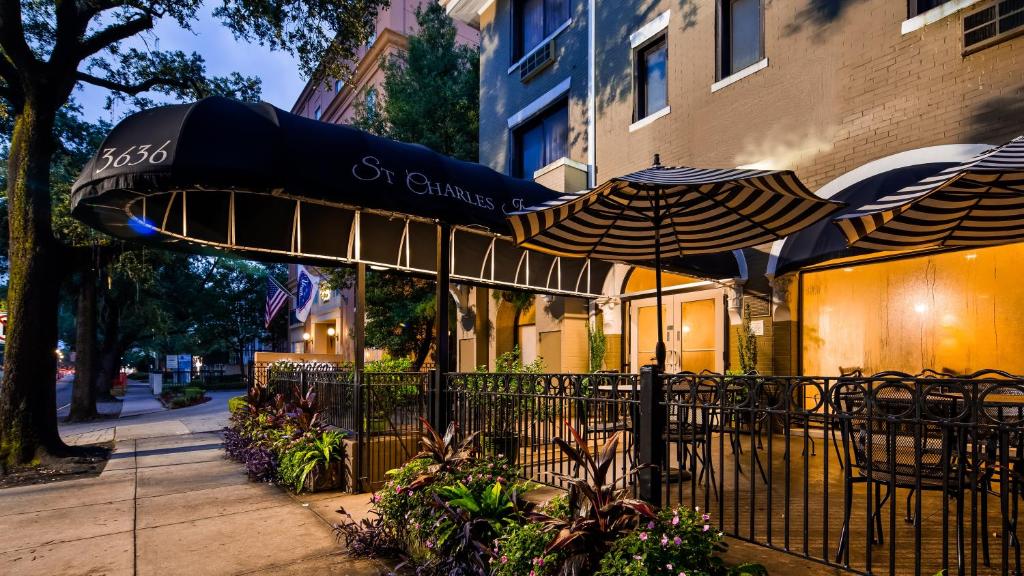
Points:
x=172 y=361
x=757 y=327
x=184 y=362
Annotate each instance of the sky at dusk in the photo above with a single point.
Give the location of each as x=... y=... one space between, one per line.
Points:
x=282 y=80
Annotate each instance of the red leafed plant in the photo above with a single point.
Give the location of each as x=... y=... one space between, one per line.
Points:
x=600 y=512
x=444 y=452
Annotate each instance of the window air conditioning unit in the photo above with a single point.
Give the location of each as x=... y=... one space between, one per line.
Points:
x=541 y=57
x=992 y=23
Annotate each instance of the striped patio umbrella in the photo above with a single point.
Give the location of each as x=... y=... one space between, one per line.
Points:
x=977 y=203
x=671 y=211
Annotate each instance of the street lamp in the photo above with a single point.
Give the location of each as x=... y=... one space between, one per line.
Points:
x=306 y=338
x=330 y=336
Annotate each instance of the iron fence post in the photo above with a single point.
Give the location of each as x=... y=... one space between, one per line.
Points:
x=650 y=436
x=361 y=432
x=441 y=411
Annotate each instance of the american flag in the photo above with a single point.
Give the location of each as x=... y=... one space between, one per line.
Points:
x=276 y=297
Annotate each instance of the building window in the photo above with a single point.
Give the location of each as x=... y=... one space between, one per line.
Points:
x=535 y=20
x=739 y=43
x=916 y=7
x=651 y=77
x=317 y=113
x=541 y=140
x=337 y=86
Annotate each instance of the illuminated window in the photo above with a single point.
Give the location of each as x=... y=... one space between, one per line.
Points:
x=316 y=113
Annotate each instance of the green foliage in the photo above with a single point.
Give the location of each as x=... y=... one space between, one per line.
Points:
x=431 y=91
x=522 y=550
x=400 y=315
x=237 y=404
x=389 y=364
x=511 y=362
x=598 y=345
x=680 y=541
x=747 y=344
x=192 y=394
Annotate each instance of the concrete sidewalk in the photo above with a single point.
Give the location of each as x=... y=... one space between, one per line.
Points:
x=168 y=505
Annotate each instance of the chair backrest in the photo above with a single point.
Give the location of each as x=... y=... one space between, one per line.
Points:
x=887 y=433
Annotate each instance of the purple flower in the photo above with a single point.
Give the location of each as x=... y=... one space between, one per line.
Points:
x=664 y=541
x=643 y=536
x=677 y=541
x=668 y=566
x=675 y=520
x=504 y=559
x=650 y=525
x=430 y=544
x=706 y=517
x=707 y=527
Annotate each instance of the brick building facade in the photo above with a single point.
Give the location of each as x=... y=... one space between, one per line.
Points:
x=831 y=90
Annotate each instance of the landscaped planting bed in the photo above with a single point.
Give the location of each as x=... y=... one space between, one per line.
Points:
x=452 y=512
x=284 y=442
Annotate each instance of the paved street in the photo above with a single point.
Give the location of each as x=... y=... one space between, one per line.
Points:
x=167 y=503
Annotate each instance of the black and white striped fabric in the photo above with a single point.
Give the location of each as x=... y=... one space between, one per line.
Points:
x=701 y=212
x=977 y=203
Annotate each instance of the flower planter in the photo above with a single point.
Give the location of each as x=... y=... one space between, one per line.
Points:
x=503 y=443
x=331 y=478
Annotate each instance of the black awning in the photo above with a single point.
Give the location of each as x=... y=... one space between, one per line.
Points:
x=823 y=241
x=259 y=182
x=218 y=144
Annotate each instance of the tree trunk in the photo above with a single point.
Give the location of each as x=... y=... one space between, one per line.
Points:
x=111 y=350
x=423 y=350
x=83 y=394
x=28 y=415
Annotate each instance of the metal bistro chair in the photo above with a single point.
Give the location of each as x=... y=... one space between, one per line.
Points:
x=893 y=437
x=999 y=422
x=692 y=401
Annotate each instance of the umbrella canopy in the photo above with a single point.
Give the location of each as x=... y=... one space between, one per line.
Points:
x=671 y=212
x=259 y=182
x=977 y=203
x=699 y=212
x=822 y=241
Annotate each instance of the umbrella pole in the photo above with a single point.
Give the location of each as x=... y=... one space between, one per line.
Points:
x=659 y=350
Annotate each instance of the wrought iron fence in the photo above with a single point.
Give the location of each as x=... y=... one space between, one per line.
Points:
x=518 y=416
x=888 y=474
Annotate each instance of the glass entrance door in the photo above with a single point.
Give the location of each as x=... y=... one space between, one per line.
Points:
x=694 y=325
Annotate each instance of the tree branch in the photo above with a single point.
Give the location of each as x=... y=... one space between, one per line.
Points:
x=113 y=34
x=12 y=37
x=131 y=89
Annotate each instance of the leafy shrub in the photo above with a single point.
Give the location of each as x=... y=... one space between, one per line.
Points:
x=388 y=364
x=677 y=541
x=193 y=394
x=237 y=404
x=369 y=538
x=310 y=457
x=599 y=511
x=522 y=550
